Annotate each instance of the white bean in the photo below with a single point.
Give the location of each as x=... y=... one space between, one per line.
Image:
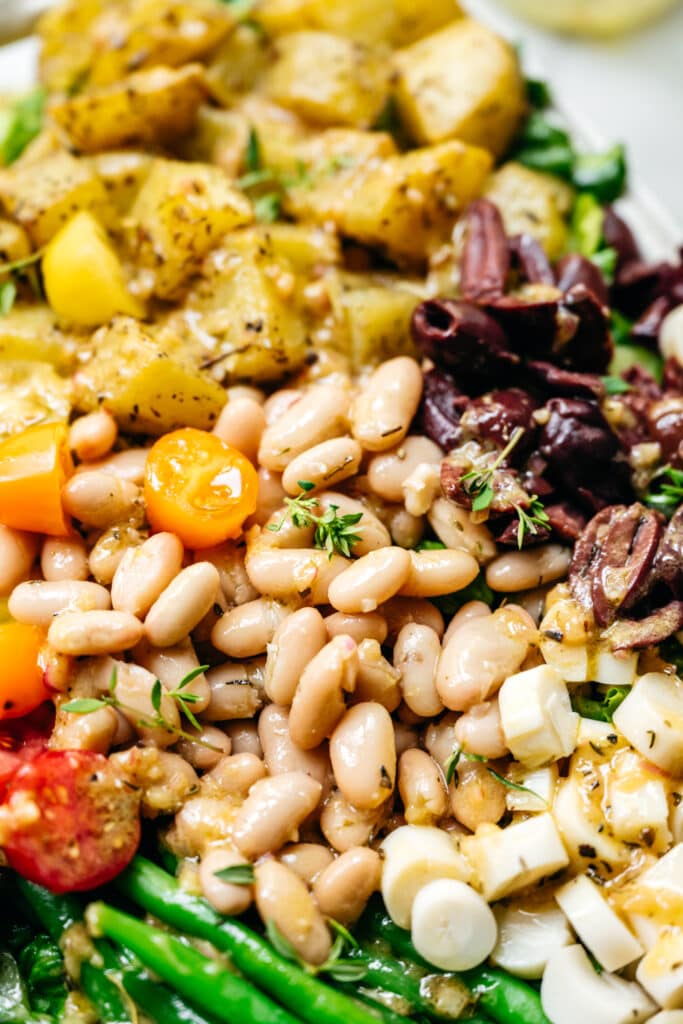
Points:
x=416 y=656
x=247 y=630
x=454 y=528
x=372 y=533
x=422 y=788
x=64 y=558
x=144 y=572
x=470 y=611
x=405 y=737
x=439 y=739
x=479 y=798
x=306 y=860
x=245 y=391
x=293 y=574
x=166 y=780
x=244 y=737
x=281 y=754
x=296 y=642
x=479 y=731
x=234 y=775
x=368 y=626
x=324 y=465
x=183 y=604
x=207 y=749
x=281 y=897
x=318 y=703
x=524 y=570
x=401 y=610
x=384 y=410
x=320 y=414
x=101 y=499
x=343 y=889
x=94 y=731
x=225 y=897
x=106 y=554
x=377 y=678
x=228 y=558
x=363 y=755
x=388 y=471
x=171 y=665
x=281 y=531
x=232 y=693
x=17 y=554
x=93 y=436
x=134 y=687
x=271 y=495
x=406 y=529
x=241 y=424
x=345 y=826
x=374 y=578
x=94 y=632
x=437 y=572
x=421 y=488
x=37 y=602
x=127 y=465
x=273 y=811
x=277 y=404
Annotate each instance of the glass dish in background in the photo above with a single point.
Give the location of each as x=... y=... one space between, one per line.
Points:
x=591 y=17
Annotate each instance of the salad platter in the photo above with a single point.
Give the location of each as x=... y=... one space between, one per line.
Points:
x=341 y=531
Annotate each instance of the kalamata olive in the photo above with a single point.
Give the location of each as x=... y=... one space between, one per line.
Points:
x=672 y=378
x=648 y=325
x=463 y=340
x=665 y=418
x=485 y=258
x=576 y=269
x=566 y=521
x=618 y=235
x=567 y=383
x=529 y=321
x=442 y=406
x=668 y=567
x=590 y=347
x=495 y=416
x=528 y=256
x=636 y=634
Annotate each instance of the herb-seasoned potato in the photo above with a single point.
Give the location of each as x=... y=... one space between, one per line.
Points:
x=150 y=386
x=374 y=311
x=279 y=132
x=407 y=204
x=397 y=22
x=219 y=137
x=67 y=43
x=122 y=173
x=532 y=202
x=14 y=243
x=45 y=194
x=329 y=80
x=30 y=393
x=461 y=82
x=181 y=212
x=149 y=107
x=238 y=63
x=31 y=332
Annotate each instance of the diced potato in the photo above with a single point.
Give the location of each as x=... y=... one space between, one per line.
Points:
x=532 y=203
x=67 y=45
x=415 y=20
x=238 y=63
x=181 y=212
x=329 y=80
x=396 y=22
x=31 y=332
x=247 y=307
x=407 y=204
x=461 y=82
x=14 y=243
x=31 y=392
x=149 y=386
x=45 y=194
x=304 y=247
x=278 y=131
x=219 y=137
x=149 y=107
x=375 y=312
x=122 y=173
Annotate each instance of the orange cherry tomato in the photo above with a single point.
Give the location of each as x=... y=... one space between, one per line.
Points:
x=198 y=487
x=22 y=688
x=34 y=466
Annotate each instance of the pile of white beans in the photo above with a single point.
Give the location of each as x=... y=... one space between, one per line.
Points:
x=336 y=694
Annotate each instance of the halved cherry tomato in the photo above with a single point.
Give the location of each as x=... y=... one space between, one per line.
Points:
x=34 y=466
x=22 y=687
x=22 y=739
x=198 y=487
x=69 y=822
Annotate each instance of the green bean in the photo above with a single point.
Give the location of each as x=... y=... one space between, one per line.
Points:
x=202 y=981
x=159 y=894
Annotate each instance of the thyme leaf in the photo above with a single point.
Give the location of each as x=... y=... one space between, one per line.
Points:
x=531 y=520
x=237 y=874
x=478 y=483
x=333 y=533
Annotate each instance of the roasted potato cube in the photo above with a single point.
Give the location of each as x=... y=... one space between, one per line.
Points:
x=30 y=393
x=219 y=137
x=415 y=20
x=329 y=80
x=375 y=312
x=14 y=243
x=147 y=108
x=44 y=194
x=461 y=82
x=396 y=22
x=67 y=44
x=407 y=204
x=278 y=131
x=532 y=203
x=181 y=212
x=122 y=174
x=304 y=247
x=31 y=332
x=150 y=386
x=238 y=63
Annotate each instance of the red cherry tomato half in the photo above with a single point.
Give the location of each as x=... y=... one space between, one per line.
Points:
x=22 y=739
x=69 y=822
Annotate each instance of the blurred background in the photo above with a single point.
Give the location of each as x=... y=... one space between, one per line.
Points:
x=614 y=86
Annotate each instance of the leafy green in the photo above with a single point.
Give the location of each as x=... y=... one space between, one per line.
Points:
x=602 y=706
x=267 y=208
x=538 y=93
x=333 y=533
x=587 y=222
x=665 y=492
x=620 y=327
x=8 y=293
x=602 y=174
x=42 y=967
x=19 y=125
x=615 y=385
x=477 y=590
x=531 y=520
x=237 y=874
x=626 y=356
x=606 y=260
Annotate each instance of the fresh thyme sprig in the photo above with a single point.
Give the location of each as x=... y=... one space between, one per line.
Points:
x=336 y=965
x=333 y=533
x=667 y=493
x=459 y=755
x=531 y=520
x=86 y=705
x=478 y=482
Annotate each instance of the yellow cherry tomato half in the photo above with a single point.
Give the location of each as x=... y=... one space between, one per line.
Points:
x=198 y=487
x=34 y=466
x=21 y=673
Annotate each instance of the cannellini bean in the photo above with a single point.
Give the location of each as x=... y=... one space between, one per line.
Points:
x=101 y=499
x=422 y=788
x=234 y=775
x=184 y=603
x=671 y=335
x=241 y=424
x=247 y=630
x=296 y=574
x=439 y=739
x=454 y=528
x=479 y=731
x=93 y=436
x=296 y=642
x=64 y=558
x=323 y=465
x=318 y=703
x=384 y=410
x=245 y=391
x=144 y=572
x=232 y=693
x=478 y=798
x=405 y=737
x=388 y=471
x=225 y=897
x=320 y=414
x=478 y=659
x=17 y=554
x=372 y=532
x=377 y=678
x=282 y=532
x=416 y=656
x=271 y=495
x=281 y=897
x=171 y=665
x=406 y=529
x=343 y=889
x=94 y=731
x=277 y=404
x=94 y=632
x=204 y=753
x=166 y=780
x=345 y=826
x=106 y=554
x=363 y=755
x=228 y=559
x=372 y=579
x=273 y=811
x=244 y=737
x=437 y=572
x=281 y=754
x=370 y=626
x=400 y=611
x=127 y=465
x=134 y=686
x=533 y=602
x=467 y=613
x=37 y=601
x=421 y=488
x=307 y=860
x=523 y=570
